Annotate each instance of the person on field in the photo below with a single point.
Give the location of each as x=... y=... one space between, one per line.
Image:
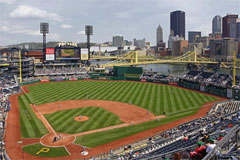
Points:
x=54 y=139
x=60 y=136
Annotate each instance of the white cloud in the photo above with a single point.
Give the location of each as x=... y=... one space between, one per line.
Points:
x=24 y=11
x=16 y=29
x=81 y=32
x=66 y=26
x=8 y=1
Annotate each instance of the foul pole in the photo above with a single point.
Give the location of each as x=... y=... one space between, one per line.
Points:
x=234 y=69
x=20 y=66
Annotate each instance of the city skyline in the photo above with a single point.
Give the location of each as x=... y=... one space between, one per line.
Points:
x=19 y=21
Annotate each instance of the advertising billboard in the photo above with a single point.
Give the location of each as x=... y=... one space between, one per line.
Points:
x=50 y=54
x=84 y=54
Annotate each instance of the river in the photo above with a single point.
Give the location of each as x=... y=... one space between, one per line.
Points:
x=172 y=69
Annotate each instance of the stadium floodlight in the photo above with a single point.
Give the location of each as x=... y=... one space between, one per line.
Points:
x=88 y=32
x=44 y=29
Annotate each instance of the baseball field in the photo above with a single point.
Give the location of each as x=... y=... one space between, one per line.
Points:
x=114 y=110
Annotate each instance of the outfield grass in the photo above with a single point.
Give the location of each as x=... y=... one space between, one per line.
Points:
x=53 y=151
x=152 y=97
x=30 y=125
x=63 y=121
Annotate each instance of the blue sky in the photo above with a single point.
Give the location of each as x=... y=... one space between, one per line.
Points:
x=20 y=19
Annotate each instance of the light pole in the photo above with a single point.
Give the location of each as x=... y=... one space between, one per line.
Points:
x=88 y=32
x=44 y=29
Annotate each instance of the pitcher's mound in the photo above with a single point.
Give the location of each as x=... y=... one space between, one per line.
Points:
x=81 y=118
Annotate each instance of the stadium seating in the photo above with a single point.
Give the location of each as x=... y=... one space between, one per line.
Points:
x=210 y=78
x=165 y=144
x=8 y=86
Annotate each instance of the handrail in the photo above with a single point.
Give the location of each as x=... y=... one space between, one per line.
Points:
x=221 y=143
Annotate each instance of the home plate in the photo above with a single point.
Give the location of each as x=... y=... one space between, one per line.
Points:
x=84 y=153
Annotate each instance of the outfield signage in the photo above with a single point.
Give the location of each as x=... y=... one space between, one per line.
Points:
x=229 y=93
x=50 y=54
x=84 y=54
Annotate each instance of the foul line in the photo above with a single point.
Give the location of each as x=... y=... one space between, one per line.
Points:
x=46 y=122
x=42 y=117
x=67 y=150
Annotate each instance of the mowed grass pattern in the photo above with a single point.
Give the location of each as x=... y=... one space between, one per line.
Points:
x=30 y=125
x=63 y=121
x=33 y=149
x=153 y=97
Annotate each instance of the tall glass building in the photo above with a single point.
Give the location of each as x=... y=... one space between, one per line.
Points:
x=177 y=23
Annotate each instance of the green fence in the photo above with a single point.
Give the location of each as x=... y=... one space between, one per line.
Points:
x=23 y=84
x=121 y=71
x=218 y=91
x=236 y=94
x=132 y=79
x=117 y=78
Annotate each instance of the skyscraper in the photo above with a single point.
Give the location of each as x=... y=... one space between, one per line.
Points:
x=118 y=41
x=238 y=30
x=192 y=35
x=229 y=26
x=177 y=23
x=159 y=35
x=217 y=24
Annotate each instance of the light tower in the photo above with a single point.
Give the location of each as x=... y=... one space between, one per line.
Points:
x=88 y=32
x=44 y=29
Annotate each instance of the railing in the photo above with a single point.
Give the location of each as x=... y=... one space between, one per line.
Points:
x=215 y=151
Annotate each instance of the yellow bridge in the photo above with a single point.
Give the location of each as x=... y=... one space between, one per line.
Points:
x=132 y=58
x=118 y=57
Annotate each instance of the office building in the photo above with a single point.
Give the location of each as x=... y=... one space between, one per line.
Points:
x=173 y=38
x=229 y=26
x=217 y=24
x=223 y=49
x=204 y=40
x=192 y=35
x=118 y=41
x=159 y=35
x=238 y=30
x=178 y=47
x=139 y=43
x=177 y=23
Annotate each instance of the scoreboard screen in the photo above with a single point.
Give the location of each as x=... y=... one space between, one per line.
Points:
x=67 y=53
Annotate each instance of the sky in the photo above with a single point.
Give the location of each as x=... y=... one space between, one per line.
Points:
x=20 y=19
